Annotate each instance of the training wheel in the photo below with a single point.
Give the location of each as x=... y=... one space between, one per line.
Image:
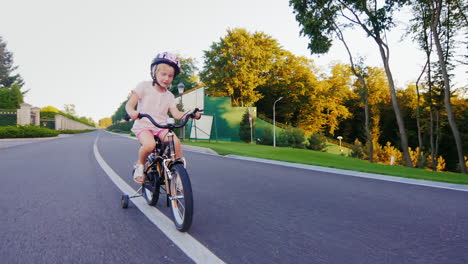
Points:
x=124 y=201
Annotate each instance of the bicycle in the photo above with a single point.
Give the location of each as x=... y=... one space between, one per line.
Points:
x=162 y=170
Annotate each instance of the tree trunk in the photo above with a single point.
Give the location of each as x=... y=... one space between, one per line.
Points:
x=365 y=95
x=431 y=112
x=396 y=107
x=367 y=116
x=418 y=117
x=448 y=107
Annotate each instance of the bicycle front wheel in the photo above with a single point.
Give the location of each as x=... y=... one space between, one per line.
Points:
x=181 y=198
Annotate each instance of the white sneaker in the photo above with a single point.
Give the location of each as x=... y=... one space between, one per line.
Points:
x=138 y=173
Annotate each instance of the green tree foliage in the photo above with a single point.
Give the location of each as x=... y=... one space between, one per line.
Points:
x=187 y=75
x=119 y=113
x=7 y=78
x=238 y=64
x=10 y=97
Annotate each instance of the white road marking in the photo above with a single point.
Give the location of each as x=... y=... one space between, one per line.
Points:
x=189 y=245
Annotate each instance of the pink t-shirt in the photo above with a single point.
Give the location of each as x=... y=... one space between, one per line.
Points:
x=154 y=103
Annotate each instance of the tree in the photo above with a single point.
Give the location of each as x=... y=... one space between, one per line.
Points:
x=11 y=97
x=319 y=21
x=187 y=75
x=331 y=96
x=69 y=109
x=238 y=64
x=120 y=112
x=360 y=73
x=294 y=79
x=7 y=78
x=105 y=122
x=50 y=109
x=244 y=129
x=436 y=9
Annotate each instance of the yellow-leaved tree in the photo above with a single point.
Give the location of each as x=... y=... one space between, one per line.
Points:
x=238 y=64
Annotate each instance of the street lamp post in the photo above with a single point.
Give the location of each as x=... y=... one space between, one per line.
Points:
x=340 y=138
x=181 y=88
x=274 y=122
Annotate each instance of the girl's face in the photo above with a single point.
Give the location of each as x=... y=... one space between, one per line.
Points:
x=164 y=75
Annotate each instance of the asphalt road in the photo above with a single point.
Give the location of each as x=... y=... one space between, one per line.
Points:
x=58 y=206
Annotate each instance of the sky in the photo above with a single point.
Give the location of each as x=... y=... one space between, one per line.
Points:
x=93 y=53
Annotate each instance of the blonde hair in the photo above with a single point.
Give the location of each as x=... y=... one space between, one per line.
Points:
x=160 y=66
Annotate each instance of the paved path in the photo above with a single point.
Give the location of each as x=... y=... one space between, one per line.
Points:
x=61 y=207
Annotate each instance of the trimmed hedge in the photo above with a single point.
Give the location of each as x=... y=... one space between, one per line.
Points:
x=28 y=131
x=31 y=131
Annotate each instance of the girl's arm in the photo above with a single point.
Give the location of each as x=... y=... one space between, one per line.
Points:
x=176 y=113
x=181 y=115
x=130 y=106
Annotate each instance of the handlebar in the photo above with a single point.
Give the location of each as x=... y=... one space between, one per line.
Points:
x=169 y=126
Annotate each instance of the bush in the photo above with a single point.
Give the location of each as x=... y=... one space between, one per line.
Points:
x=28 y=131
x=317 y=142
x=267 y=138
x=292 y=137
x=357 y=150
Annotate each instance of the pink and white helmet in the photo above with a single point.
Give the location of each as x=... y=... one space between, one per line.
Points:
x=167 y=58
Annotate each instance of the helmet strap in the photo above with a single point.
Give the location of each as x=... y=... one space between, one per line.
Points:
x=155 y=82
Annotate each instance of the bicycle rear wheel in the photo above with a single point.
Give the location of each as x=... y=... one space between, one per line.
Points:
x=181 y=199
x=151 y=188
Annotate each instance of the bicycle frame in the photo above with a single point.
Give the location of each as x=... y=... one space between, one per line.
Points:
x=165 y=161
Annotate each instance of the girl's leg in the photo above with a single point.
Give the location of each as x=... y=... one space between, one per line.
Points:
x=148 y=143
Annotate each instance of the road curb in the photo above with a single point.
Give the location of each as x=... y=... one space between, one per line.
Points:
x=441 y=185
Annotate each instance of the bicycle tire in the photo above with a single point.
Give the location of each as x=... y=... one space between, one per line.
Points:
x=150 y=189
x=181 y=199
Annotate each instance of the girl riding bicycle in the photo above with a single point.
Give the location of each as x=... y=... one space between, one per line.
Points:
x=155 y=99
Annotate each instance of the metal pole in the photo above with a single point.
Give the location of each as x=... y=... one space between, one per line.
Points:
x=181 y=88
x=274 y=122
x=340 y=138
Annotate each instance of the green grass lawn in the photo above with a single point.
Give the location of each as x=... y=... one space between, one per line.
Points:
x=332 y=160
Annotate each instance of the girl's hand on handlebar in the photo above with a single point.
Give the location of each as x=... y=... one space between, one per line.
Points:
x=133 y=115
x=196 y=113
